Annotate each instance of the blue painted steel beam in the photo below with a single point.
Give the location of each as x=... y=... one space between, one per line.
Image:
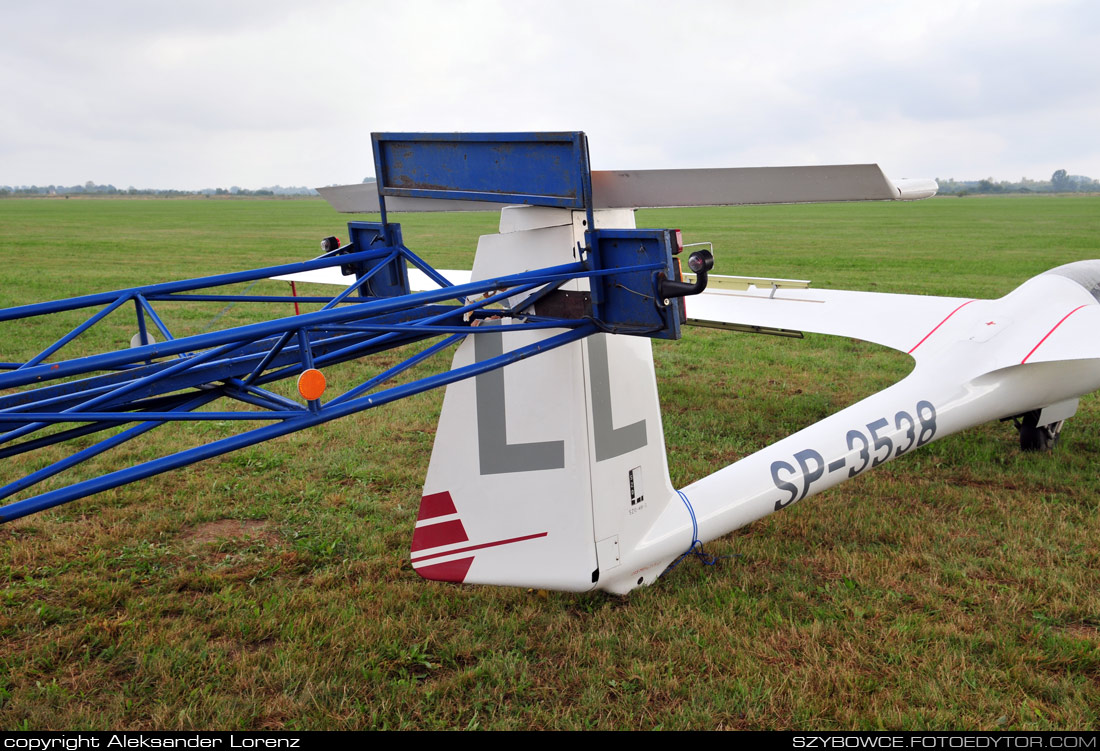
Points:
x=539 y=169
x=54 y=498
x=75 y=332
x=81 y=456
x=162 y=403
x=249 y=298
x=257 y=331
x=217 y=280
x=72 y=392
x=156 y=319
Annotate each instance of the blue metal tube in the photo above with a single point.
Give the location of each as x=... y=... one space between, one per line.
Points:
x=56 y=397
x=520 y=289
x=49 y=418
x=421 y=264
x=44 y=398
x=86 y=392
x=45 y=405
x=74 y=333
x=209 y=354
x=190 y=362
x=345 y=249
x=359 y=282
x=53 y=498
x=217 y=280
x=307 y=364
x=71 y=461
x=264 y=394
x=555 y=323
x=245 y=298
x=366 y=346
x=144 y=335
x=304 y=351
x=269 y=328
x=398 y=368
x=363 y=347
x=243 y=396
x=271 y=355
x=156 y=319
x=166 y=402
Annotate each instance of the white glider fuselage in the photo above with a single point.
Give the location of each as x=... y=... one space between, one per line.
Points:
x=989 y=359
x=589 y=516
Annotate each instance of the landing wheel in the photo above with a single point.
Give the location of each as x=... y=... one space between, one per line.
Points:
x=1036 y=437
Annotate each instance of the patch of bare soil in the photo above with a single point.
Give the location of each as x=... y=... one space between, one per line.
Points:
x=248 y=529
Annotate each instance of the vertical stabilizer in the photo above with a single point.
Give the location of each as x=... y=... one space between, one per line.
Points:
x=544 y=473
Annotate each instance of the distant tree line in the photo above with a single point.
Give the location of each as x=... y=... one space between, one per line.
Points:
x=1059 y=182
x=91 y=188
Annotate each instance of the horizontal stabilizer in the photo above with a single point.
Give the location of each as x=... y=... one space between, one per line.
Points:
x=635 y=189
x=749 y=185
x=362 y=198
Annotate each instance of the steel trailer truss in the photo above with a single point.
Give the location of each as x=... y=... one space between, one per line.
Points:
x=45 y=401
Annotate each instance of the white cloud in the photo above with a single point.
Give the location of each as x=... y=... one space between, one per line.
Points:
x=254 y=93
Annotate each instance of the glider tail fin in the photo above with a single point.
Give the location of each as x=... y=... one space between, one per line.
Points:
x=545 y=473
x=548 y=472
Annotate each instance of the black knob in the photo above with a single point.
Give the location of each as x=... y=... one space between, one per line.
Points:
x=701 y=261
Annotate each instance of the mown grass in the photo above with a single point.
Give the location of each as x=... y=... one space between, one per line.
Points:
x=953 y=588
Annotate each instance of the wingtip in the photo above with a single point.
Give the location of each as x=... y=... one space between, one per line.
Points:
x=914 y=189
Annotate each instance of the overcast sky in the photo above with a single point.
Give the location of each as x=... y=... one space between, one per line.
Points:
x=212 y=94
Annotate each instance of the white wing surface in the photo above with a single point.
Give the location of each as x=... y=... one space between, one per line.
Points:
x=418 y=280
x=901 y=322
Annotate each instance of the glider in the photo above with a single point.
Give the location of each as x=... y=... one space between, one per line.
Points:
x=549 y=467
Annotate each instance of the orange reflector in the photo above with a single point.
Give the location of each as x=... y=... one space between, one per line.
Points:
x=311 y=384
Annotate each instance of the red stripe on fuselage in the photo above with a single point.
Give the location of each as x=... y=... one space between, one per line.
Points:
x=933 y=331
x=1067 y=315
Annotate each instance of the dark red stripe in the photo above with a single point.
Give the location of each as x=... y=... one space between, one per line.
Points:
x=1032 y=352
x=436 y=504
x=434 y=535
x=451 y=571
x=476 y=547
x=933 y=331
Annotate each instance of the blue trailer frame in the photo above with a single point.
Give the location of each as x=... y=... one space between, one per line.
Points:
x=141 y=388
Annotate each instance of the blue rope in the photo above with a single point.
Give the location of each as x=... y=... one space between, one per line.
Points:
x=696 y=548
x=694 y=521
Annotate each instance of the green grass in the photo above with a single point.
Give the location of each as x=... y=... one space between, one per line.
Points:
x=955 y=587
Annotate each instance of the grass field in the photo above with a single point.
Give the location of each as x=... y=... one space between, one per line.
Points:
x=955 y=587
